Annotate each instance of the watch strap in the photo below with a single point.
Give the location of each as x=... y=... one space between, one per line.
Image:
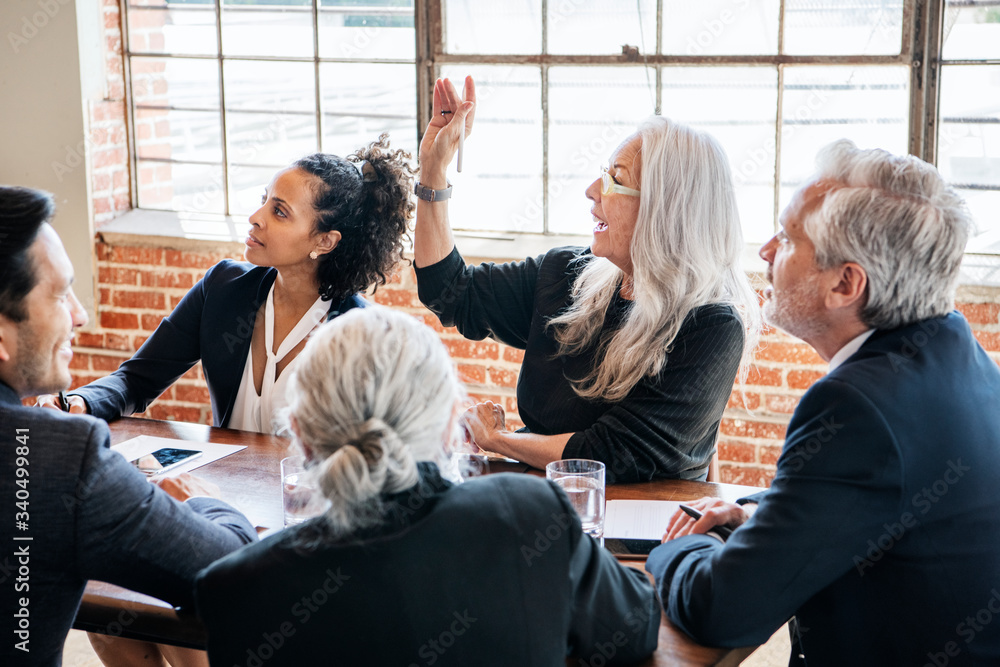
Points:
x=427 y=194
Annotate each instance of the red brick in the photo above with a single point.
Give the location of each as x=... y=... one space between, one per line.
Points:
x=80 y=362
x=117 y=342
x=795 y=353
x=980 y=313
x=745 y=475
x=469 y=349
x=783 y=404
x=513 y=354
x=84 y=339
x=503 y=377
x=745 y=428
x=137 y=341
x=803 y=379
x=115 y=275
x=194 y=373
x=109 y=111
x=103 y=251
x=119 y=320
x=398 y=298
x=737 y=452
x=132 y=299
x=175 y=413
x=769 y=454
x=134 y=255
x=510 y=405
x=765 y=377
x=102 y=182
x=188 y=260
x=150 y=322
x=471 y=374
x=431 y=320
x=192 y=393
x=101 y=362
x=990 y=340
x=166 y=278
x=482 y=398
x=736 y=400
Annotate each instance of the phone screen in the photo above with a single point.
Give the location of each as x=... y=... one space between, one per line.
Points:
x=163 y=459
x=622 y=548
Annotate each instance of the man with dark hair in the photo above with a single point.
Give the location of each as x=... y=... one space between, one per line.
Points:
x=880 y=533
x=72 y=509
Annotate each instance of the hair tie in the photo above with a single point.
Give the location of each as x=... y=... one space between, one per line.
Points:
x=365 y=170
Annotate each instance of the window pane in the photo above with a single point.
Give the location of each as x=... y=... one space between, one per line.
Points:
x=246 y=186
x=152 y=28
x=501 y=187
x=717 y=27
x=360 y=101
x=168 y=134
x=175 y=82
x=601 y=27
x=969 y=144
x=868 y=105
x=738 y=106
x=267 y=28
x=841 y=27
x=474 y=26
x=180 y=187
x=591 y=111
x=263 y=85
x=382 y=31
x=270 y=139
x=971 y=31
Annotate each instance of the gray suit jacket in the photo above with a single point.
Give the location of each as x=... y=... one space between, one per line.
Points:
x=72 y=510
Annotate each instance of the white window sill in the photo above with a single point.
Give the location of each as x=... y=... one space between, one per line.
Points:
x=193 y=232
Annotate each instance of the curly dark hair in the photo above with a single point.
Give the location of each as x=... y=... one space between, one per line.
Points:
x=23 y=211
x=371 y=209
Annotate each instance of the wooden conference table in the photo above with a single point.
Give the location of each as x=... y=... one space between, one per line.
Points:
x=249 y=480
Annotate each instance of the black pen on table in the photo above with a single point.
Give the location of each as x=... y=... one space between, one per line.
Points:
x=723 y=531
x=63 y=403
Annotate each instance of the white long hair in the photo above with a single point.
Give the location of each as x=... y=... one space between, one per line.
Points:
x=686 y=251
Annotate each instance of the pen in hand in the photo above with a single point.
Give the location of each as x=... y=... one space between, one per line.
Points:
x=63 y=403
x=723 y=531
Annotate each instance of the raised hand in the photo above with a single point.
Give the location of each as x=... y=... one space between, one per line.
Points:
x=440 y=142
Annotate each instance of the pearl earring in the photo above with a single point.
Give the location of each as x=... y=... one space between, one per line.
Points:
x=314 y=255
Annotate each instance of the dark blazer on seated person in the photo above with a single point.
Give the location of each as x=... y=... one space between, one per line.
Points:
x=213 y=323
x=79 y=511
x=495 y=571
x=881 y=530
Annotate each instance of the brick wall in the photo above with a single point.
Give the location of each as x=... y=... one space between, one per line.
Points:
x=139 y=285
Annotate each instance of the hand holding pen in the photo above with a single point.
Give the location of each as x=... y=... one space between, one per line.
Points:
x=713 y=515
x=72 y=404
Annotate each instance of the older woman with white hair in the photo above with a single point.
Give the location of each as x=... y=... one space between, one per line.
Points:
x=405 y=567
x=631 y=346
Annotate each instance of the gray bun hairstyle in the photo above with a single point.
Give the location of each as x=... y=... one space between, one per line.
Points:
x=374 y=392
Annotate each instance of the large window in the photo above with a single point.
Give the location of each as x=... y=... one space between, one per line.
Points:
x=224 y=92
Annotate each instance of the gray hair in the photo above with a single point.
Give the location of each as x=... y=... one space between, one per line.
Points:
x=374 y=392
x=686 y=252
x=897 y=218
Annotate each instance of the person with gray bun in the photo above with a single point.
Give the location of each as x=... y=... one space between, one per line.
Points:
x=405 y=567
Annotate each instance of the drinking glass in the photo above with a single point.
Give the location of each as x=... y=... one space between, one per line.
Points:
x=301 y=500
x=583 y=482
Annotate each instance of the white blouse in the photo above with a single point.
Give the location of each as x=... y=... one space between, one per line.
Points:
x=253 y=412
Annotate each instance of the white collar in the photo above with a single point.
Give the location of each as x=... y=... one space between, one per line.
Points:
x=852 y=346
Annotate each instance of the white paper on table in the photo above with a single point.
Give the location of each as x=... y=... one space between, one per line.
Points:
x=638 y=519
x=146 y=444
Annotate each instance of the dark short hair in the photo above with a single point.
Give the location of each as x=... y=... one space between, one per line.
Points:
x=23 y=211
x=371 y=210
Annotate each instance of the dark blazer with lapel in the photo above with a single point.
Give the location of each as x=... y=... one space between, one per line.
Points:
x=212 y=323
x=74 y=510
x=881 y=530
x=495 y=571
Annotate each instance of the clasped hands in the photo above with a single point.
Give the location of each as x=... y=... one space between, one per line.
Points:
x=482 y=422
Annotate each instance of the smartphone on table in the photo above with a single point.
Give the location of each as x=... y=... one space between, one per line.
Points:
x=164 y=459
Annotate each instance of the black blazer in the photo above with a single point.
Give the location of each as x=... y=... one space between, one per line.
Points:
x=88 y=514
x=881 y=530
x=495 y=571
x=212 y=323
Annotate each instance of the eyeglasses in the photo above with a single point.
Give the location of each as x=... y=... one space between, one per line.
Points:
x=608 y=186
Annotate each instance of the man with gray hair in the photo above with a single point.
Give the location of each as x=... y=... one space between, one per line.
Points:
x=880 y=533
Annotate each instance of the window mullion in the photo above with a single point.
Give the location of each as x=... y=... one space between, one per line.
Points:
x=545 y=119
x=318 y=98
x=222 y=108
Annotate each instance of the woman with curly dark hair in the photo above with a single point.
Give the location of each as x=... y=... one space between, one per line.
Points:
x=328 y=228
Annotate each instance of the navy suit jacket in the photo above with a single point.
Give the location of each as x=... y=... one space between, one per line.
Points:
x=212 y=323
x=881 y=530
x=495 y=571
x=74 y=510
